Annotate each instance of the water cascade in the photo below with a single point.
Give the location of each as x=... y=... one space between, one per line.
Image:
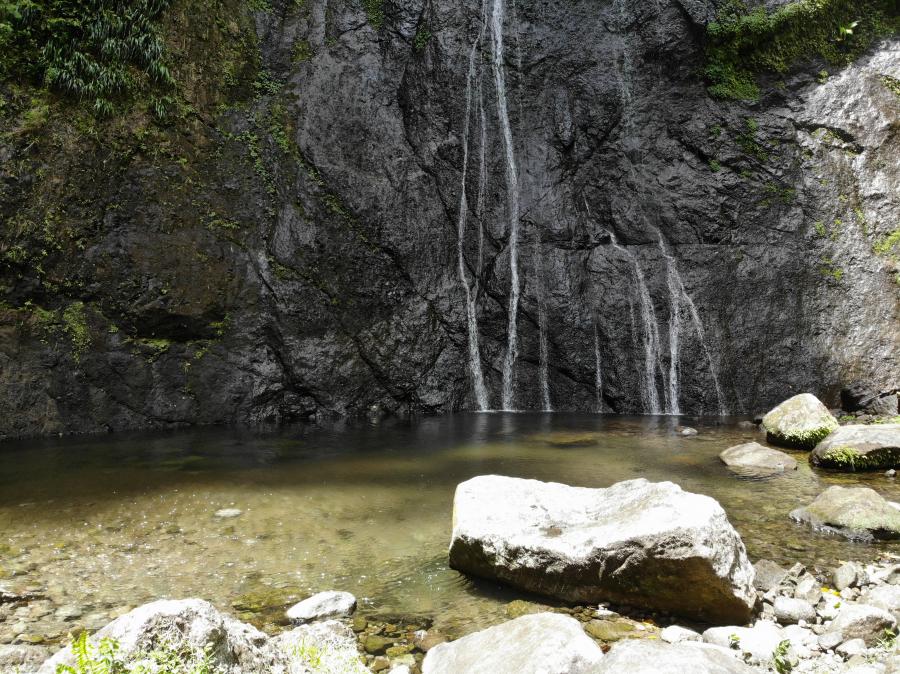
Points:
x=679 y=295
x=512 y=196
x=543 y=345
x=598 y=369
x=651 y=333
x=471 y=317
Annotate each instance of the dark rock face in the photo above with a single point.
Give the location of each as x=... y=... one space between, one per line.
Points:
x=297 y=255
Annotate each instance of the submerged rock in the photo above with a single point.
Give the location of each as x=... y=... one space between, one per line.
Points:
x=228 y=513
x=653 y=657
x=859 y=447
x=799 y=422
x=647 y=544
x=543 y=643
x=853 y=512
x=322 y=605
x=753 y=459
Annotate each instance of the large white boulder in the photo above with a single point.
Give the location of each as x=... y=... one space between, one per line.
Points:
x=541 y=643
x=641 y=656
x=799 y=422
x=647 y=544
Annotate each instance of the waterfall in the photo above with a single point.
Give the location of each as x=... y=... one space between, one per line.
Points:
x=651 y=332
x=543 y=345
x=679 y=294
x=598 y=370
x=471 y=315
x=512 y=185
x=673 y=281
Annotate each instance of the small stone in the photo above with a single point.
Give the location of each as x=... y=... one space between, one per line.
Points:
x=790 y=611
x=377 y=645
x=359 y=624
x=768 y=575
x=428 y=640
x=397 y=650
x=808 y=589
x=685 y=431
x=890 y=473
x=228 y=513
x=380 y=663
x=830 y=640
x=402 y=668
x=322 y=605
x=674 y=634
x=609 y=630
x=519 y=607
x=844 y=576
x=851 y=648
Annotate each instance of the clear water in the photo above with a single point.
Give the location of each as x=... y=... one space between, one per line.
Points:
x=110 y=522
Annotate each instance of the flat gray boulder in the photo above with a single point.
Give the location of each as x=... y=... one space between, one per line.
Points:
x=541 y=643
x=329 y=604
x=642 y=656
x=857 y=513
x=755 y=460
x=859 y=447
x=800 y=422
x=646 y=544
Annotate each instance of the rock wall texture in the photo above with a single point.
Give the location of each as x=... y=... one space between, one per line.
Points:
x=289 y=246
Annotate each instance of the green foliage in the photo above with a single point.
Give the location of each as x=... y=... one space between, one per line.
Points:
x=780 y=657
x=165 y=658
x=889 y=245
x=75 y=325
x=104 y=659
x=374 y=12
x=423 y=35
x=102 y=52
x=830 y=270
x=714 y=166
x=821 y=230
x=302 y=52
x=742 y=43
x=892 y=83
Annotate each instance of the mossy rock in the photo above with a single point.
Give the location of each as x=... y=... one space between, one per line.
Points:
x=800 y=422
x=858 y=448
x=857 y=513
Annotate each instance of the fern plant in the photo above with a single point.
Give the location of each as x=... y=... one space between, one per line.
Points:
x=99 y=51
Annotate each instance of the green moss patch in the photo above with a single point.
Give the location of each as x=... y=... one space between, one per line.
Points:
x=742 y=44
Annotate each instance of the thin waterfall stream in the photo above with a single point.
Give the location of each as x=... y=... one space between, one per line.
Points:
x=478 y=386
x=512 y=185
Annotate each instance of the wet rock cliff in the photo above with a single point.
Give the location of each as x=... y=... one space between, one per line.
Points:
x=354 y=206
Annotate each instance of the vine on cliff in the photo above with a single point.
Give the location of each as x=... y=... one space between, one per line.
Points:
x=742 y=44
x=102 y=52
